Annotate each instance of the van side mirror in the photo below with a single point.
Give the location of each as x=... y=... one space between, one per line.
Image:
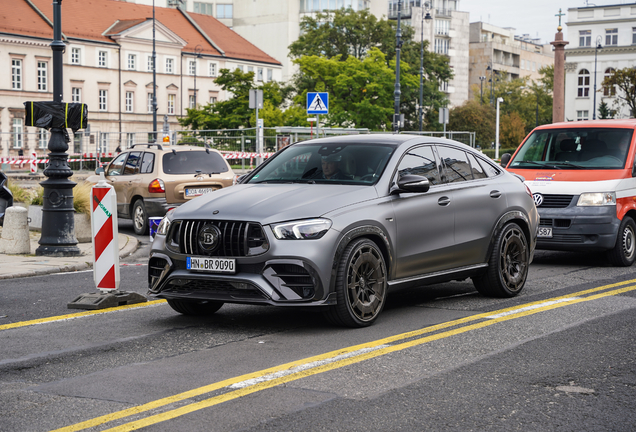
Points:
x=505 y=159
x=634 y=169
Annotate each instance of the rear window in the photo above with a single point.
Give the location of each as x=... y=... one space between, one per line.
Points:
x=571 y=148
x=191 y=162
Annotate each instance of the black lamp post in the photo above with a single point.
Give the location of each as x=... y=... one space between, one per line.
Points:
x=492 y=81
x=397 y=92
x=197 y=55
x=58 y=214
x=598 y=47
x=154 y=79
x=427 y=17
x=481 y=89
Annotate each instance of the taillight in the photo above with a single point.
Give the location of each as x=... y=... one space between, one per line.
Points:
x=156 y=186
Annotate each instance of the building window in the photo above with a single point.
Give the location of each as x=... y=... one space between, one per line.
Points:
x=442 y=27
x=250 y=68
x=192 y=67
x=223 y=11
x=582 y=115
x=76 y=94
x=42 y=76
x=43 y=138
x=130 y=140
x=103 y=143
x=171 y=99
x=169 y=65
x=129 y=101
x=132 y=61
x=609 y=91
x=103 y=100
x=442 y=46
x=633 y=35
x=101 y=59
x=17 y=133
x=259 y=74
x=212 y=99
x=212 y=70
x=150 y=103
x=204 y=8
x=150 y=64
x=611 y=36
x=16 y=74
x=270 y=74
x=191 y=103
x=239 y=67
x=584 y=83
x=443 y=86
x=585 y=38
x=76 y=57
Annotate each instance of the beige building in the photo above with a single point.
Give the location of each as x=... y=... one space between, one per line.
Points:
x=108 y=66
x=497 y=54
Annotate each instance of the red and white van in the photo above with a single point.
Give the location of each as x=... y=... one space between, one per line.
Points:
x=583 y=179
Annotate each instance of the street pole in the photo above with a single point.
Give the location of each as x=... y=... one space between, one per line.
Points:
x=154 y=79
x=598 y=47
x=499 y=100
x=197 y=56
x=58 y=214
x=397 y=92
x=428 y=17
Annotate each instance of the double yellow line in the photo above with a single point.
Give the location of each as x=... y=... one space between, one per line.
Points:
x=243 y=385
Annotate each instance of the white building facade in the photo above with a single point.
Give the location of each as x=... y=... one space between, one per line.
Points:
x=602 y=40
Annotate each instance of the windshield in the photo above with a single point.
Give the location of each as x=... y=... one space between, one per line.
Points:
x=333 y=163
x=571 y=148
x=191 y=162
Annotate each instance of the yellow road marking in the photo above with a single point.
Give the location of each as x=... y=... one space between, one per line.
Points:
x=371 y=352
x=77 y=315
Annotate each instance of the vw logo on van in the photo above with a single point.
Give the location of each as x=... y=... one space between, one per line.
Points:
x=209 y=237
x=538 y=199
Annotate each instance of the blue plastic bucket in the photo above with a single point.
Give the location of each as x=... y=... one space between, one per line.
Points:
x=153 y=223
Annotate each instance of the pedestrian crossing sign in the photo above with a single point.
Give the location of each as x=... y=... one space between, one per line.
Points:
x=318 y=103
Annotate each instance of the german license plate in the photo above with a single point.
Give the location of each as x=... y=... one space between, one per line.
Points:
x=545 y=233
x=211 y=265
x=194 y=192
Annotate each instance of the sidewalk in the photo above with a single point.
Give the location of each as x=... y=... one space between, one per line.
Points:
x=17 y=266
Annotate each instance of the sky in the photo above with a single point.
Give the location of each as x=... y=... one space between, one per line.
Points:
x=536 y=18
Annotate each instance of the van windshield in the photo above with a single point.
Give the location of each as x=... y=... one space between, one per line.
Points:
x=571 y=148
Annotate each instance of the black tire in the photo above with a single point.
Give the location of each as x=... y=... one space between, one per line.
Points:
x=195 y=307
x=624 y=252
x=508 y=264
x=140 y=218
x=361 y=285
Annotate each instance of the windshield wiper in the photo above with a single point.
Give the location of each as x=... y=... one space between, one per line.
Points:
x=541 y=164
x=570 y=164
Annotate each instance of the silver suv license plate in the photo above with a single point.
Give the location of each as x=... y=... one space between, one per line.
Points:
x=211 y=265
x=545 y=233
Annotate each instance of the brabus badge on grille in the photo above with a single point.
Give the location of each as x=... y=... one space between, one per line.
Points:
x=538 y=199
x=209 y=236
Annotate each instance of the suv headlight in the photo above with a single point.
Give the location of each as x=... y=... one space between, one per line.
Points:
x=310 y=229
x=164 y=225
x=597 y=199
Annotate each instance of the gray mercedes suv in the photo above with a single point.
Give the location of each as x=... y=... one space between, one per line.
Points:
x=337 y=223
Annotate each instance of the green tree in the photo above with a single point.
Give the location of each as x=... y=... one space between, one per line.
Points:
x=604 y=111
x=623 y=83
x=472 y=116
x=511 y=130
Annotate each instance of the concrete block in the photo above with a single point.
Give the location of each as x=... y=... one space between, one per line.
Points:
x=35 y=217
x=15 y=232
x=83 y=230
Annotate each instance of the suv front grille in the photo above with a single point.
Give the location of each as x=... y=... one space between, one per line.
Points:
x=235 y=238
x=556 y=201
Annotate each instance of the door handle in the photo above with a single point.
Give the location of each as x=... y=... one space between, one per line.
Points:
x=495 y=194
x=443 y=201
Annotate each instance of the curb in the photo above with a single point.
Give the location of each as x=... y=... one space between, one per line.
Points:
x=132 y=244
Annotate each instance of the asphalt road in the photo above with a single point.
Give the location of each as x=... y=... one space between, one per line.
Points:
x=561 y=356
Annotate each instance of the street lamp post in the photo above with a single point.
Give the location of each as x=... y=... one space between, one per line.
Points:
x=481 y=89
x=154 y=78
x=499 y=100
x=397 y=92
x=598 y=47
x=427 y=8
x=491 y=80
x=197 y=55
x=58 y=214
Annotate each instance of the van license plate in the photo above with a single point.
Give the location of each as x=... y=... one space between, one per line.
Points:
x=545 y=233
x=211 y=265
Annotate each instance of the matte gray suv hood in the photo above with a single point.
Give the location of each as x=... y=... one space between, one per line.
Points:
x=270 y=203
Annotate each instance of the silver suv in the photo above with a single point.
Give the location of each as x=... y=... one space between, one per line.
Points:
x=337 y=223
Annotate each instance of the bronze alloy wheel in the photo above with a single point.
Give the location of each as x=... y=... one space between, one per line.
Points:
x=513 y=259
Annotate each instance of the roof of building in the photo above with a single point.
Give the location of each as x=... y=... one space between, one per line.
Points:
x=91 y=19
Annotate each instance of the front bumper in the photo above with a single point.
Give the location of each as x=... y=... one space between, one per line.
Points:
x=158 y=207
x=277 y=277
x=579 y=228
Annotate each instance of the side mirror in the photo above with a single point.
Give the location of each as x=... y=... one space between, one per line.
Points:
x=99 y=170
x=505 y=159
x=634 y=169
x=412 y=183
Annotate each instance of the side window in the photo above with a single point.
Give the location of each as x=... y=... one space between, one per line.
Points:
x=420 y=161
x=147 y=163
x=456 y=166
x=116 y=167
x=132 y=163
x=478 y=171
x=489 y=169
